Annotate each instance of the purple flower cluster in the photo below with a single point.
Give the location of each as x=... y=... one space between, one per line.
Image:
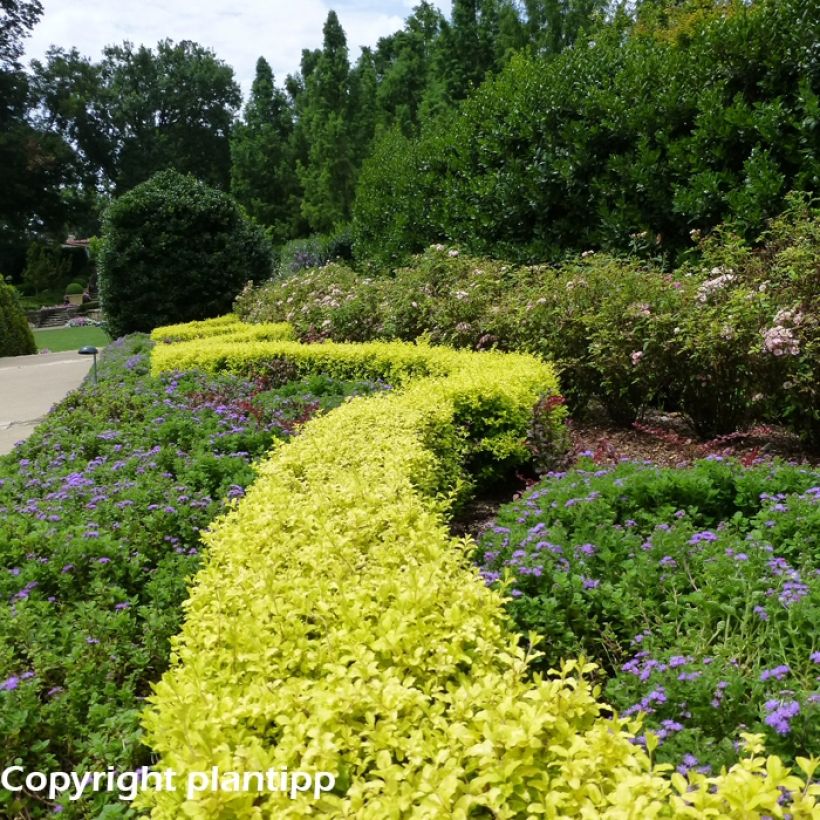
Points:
x=100 y=515
x=780 y=713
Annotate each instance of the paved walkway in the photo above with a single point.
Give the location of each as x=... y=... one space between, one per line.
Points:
x=30 y=385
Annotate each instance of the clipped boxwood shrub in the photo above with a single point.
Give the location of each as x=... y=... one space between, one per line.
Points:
x=16 y=338
x=176 y=250
x=73 y=289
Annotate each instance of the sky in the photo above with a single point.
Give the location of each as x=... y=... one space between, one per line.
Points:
x=239 y=32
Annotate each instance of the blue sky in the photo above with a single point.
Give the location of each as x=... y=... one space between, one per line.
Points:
x=238 y=32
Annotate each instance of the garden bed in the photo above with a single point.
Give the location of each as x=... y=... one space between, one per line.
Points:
x=400 y=673
x=100 y=518
x=336 y=625
x=696 y=590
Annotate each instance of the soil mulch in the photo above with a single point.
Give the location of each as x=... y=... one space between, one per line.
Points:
x=667 y=440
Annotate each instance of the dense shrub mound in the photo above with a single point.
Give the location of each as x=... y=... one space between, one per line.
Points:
x=100 y=514
x=647 y=128
x=16 y=338
x=176 y=250
x=336 y=625
x=696 y=590
x=731 y=337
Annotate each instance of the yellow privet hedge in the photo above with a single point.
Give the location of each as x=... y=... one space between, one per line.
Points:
x=195 y=330
x=226 y=327
x=337 y=626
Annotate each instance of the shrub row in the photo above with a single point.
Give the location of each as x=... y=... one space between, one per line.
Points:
x=228 y=328
x=732 y=338
x=501 y=443
x=336 y=626
x=696 y=590
x=100 y=514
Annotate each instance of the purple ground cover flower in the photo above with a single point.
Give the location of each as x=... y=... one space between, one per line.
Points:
x=777 y=673
x=793 y=591
x=706 y=535
x=780 y=714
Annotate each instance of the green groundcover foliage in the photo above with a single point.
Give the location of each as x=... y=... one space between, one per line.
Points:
x=15 y=334
x=696 y=591
x=176 y=250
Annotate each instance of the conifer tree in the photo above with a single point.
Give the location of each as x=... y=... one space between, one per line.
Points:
x=404 y=64
x=263 y=176
x=327 y=176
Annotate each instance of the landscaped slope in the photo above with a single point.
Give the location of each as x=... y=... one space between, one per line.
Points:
x=337 y=626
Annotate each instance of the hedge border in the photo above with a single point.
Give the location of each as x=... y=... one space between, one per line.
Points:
x=337 y=626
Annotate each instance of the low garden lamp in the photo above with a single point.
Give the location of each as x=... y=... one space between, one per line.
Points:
x=90 y=350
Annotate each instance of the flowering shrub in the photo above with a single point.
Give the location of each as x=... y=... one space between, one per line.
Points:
x=337 y=624
x=100 y=518
x=696 y=590
x=728 y=339
x=82 y=321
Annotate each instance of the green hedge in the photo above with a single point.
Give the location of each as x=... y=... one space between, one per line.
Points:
x=16 y=338
x=651 y=128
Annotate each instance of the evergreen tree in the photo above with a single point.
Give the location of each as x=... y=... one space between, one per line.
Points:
x=404 y=63
x=363 y=85
x=469 y=47
x=553 y=25
x=327 y=176
x=263 y=175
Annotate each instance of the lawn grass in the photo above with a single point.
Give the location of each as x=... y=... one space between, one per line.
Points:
x=69 y=338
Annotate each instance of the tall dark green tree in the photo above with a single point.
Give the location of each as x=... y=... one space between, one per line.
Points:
x=34 y=166
x=170 y=108
x=469 y=47
x=263 y=172
x=17 y=19
x=404 y=63
x=70 y=103
x=553 y=25
x=328 y=174
x=73 y=102
x=362 y=116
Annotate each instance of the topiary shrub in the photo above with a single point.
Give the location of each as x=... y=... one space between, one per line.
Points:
x=176 y=250
x=73 y=289
x=16 y=338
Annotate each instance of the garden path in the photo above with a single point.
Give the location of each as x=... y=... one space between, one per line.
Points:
x=30 y=385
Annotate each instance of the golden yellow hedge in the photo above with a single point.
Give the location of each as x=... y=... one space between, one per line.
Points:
x=227 y=327
x=337 y=626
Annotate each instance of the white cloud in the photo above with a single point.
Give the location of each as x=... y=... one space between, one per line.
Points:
x=239 y=33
